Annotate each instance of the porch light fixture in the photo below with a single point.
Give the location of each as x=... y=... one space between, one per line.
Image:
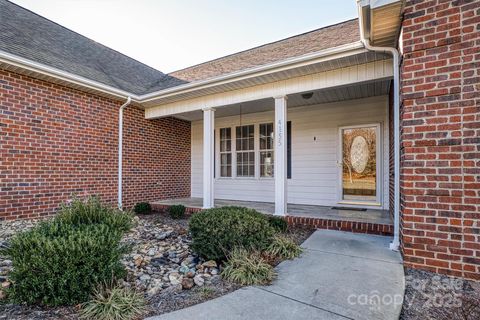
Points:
x=307 y=95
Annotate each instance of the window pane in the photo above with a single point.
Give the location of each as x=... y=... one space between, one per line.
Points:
x=266 y=147
x=266 y=164
x=263 y=143
x=244 y=139
x=246 y=164
x=226 y=165
x=225 y=154
x=225 y=139
x=226 y=171
x=266 y=136
x=226 y=159
x=239 y=171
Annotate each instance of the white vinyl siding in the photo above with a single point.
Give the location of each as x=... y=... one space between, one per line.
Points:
x=315 y=174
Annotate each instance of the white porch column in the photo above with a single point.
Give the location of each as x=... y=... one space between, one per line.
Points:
x=280 y=155
x=208 y=156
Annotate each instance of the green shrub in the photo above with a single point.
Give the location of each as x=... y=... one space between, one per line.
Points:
x=60 y=262
x=113 y=303
x=247 y=268
x=278 y=223
x=92 y=211
x=142 y=208
x=283 y=247
x=177 y=211
x=215 y=232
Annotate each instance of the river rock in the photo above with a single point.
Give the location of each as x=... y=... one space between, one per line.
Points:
x=198 y=280
x=187 y=283
x=209 y=264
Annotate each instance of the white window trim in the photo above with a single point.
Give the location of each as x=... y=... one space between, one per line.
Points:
x=256 y=150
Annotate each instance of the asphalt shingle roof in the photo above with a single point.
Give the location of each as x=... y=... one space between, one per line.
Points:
x=309 y=42
x=30 y=36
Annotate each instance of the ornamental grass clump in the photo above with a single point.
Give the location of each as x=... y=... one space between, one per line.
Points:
x=283 y=247
x=216 y=232
x=114 y=303
x=247 y=268
x=92 y=212
x=61 y=261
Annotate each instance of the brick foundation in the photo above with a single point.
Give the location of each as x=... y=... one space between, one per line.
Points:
x=350 y=226
x=357 y=227
x=57 y=142
x=440 y=163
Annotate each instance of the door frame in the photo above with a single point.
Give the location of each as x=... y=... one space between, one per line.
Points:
x=379 y=165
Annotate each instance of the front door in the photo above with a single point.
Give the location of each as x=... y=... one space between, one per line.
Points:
x=359 y=164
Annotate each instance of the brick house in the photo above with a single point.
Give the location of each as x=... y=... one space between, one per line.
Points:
x=369 y=125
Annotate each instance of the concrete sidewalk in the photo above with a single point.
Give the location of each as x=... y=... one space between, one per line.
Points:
x=339 y=276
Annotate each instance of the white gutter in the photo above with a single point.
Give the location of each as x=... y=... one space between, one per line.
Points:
x=120 y=149
x=33 y=66
x=394 y=245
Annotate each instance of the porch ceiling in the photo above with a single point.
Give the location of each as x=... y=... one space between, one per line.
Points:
x=358 y=91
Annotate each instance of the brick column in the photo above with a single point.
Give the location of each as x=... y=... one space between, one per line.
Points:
x=440 y=162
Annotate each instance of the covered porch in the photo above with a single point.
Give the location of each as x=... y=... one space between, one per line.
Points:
x=323 y=217
x=311 y=144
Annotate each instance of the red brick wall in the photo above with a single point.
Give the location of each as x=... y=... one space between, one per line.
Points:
x=441 y=137
x=56 y=142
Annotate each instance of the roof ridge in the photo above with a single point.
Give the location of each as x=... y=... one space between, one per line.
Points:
x=81 y=35
x=262 y=45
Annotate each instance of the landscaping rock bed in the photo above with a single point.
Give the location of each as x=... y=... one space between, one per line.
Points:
x=161 y=265
x=161 y=257
x=433 y=296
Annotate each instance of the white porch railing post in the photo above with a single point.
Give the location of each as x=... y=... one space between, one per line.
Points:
x=280 y=158
x=208 y=156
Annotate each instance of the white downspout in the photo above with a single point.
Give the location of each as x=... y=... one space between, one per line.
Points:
x=120 y=149
x=394 y=245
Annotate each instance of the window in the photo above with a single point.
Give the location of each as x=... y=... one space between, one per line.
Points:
x=245 y=151
x=239 y=147
x=225 y=152
x=266 y=150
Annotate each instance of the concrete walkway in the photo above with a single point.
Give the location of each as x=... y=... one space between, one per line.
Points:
x=339 y=276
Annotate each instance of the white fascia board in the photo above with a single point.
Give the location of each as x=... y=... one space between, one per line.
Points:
x=319 y=56
x=316 y=57
x=40 y=68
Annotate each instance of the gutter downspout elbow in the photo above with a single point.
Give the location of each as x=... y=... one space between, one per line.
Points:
x=120 y=149
x=395 y=244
